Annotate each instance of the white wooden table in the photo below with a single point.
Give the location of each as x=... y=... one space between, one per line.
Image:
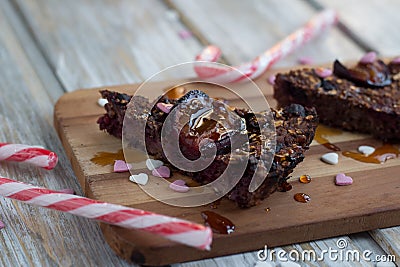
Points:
x=51 y=47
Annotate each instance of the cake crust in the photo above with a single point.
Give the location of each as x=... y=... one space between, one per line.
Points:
x=349 y=98
x=294 y=128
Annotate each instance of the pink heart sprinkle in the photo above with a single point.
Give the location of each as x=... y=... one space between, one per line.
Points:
x=179 y=186
x=343 y=179
x=165 y=107
x=323 y=72
x=396 y=60
x=185 y=34
x=67 y=191
x=2 y=225
x=162 y=171
x=369 y=57
x=271 y=79
x=384 y=157
x=305 y=60
x=121 y=166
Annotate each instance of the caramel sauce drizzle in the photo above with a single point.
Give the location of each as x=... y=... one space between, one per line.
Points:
x=175 y=92
x=107 y=158
x=305 y=179
x=302 y=197
x=380 y=155
x=219 y=224
x=322 y=132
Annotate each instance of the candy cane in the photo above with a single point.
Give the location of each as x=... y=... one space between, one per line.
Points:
x=175 y=229
x=253 y=69
x=35 y=155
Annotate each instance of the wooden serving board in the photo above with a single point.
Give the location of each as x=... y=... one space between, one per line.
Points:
x=371 y=202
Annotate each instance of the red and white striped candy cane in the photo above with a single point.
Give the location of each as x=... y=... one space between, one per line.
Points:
x=253 y=69
x=35 y=155
x=175 y=229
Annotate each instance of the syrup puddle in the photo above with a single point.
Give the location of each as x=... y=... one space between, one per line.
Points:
x=219 y=224
x=381 y=154
x=107 y=158
x=302 y=197
x=305 y=179
x=323 y=132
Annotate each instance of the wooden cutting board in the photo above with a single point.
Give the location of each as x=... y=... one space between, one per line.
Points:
x=371 y=202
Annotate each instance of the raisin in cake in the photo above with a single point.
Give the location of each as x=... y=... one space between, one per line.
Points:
x=363 y=98
x=294 y=131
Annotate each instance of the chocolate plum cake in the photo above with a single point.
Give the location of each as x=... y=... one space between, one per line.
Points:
x=294 y=130
x=362 y=98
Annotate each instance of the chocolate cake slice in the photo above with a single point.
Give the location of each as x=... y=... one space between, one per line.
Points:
x=363 y=98
x=294 y=130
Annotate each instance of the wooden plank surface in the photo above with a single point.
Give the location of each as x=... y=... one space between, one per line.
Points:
x=112 y=42
x=333 y=211
x=366 y=21
x=241 y=40
x=35 y=236
x=82 y=47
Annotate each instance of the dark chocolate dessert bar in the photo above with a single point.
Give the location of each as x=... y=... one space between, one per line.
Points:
x=294 y=130
x=364 y=98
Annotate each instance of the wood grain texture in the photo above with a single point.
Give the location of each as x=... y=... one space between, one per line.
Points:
x=373 y=21
x=245 y=29
x=96 y=43
x=35 y=236
x=112 y=42
x=333 y=210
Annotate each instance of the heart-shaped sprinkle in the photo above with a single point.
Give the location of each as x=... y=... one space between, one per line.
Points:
x=366 y=150
x=396 y=60
x=179 y=186
x=102 y=102
x=343 y=179
x=153 y=164
x=271 y=79
x=263 y=264
x=289 y=264
x=330 y=158
x=385 y=264
x=67 y=191
x=140 y=178
x=121 y=166
x=369 y=57
x=164 y=107
x=384 y=157
x=2 y=225
x=185 y=34
x=305 y=60
x=323 y=72
x=162 y=171
x=179 y=182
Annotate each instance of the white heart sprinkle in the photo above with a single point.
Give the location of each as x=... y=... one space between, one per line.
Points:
x=153 y=164
x=140 y=178
x=330 y=158
x=289 y=264
x=385 y=264
x=263 y=264
x=102 y=102
x=366 y=150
